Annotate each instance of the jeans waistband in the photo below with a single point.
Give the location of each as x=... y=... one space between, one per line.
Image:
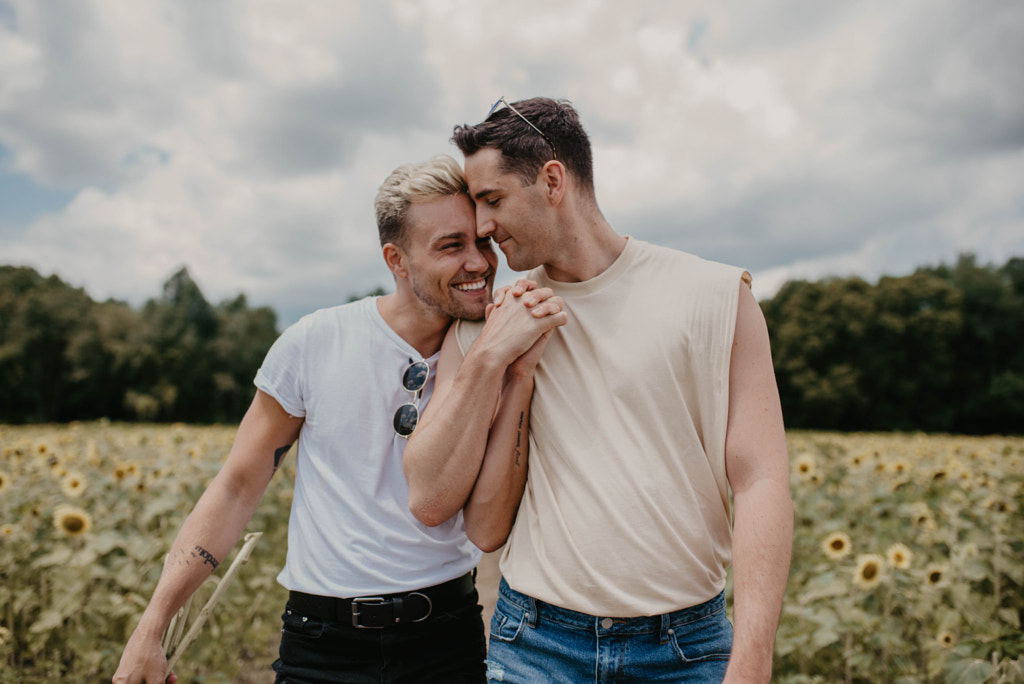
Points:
x=643 y=624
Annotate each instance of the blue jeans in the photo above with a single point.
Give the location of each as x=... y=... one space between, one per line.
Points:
x=447 y=647
x=532 y=641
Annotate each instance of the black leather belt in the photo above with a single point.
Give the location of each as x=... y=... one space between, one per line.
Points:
x=386 y=610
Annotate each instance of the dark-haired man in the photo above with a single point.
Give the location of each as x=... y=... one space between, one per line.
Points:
x=654 y=399
x=375 y=596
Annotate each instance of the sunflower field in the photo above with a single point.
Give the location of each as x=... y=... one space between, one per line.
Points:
x=908 y=558
x=87 y=515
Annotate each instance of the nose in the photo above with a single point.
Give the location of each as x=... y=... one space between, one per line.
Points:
x=476 y=261
x=484 y=225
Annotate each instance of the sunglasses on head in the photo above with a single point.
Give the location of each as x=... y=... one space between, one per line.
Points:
x=503 y=101
x=408 y=414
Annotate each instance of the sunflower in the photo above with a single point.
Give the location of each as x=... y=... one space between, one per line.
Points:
x=921 y=515
x=935 y=576
x=997 y=504
x=836 y=545
x=946 y=639
x=805 y=466
x=72 y=521
x=5 y=480
x=7 y=531
x=899 y=556
x=899 y=467
x=868 y=574
x=73 y=484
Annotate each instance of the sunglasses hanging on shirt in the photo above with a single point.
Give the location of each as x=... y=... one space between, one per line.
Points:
x=408 y=414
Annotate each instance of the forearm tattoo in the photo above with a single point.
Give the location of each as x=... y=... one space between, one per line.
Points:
x=207 y=557
x=519 y=436
x=198 y=553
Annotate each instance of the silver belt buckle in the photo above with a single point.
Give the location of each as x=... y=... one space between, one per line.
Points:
x=369 y=600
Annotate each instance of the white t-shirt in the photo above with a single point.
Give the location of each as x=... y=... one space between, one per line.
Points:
x=350 y=532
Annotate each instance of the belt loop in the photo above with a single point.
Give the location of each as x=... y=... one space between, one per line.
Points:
x=397 y=603
x=666 y=627
x=532 y=611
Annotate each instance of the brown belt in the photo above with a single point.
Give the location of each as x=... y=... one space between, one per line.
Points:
x=386 y=610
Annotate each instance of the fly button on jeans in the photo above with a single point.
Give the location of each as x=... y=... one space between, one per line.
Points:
x=607 y=623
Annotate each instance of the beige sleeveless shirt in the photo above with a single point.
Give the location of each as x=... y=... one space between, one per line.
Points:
x=626 y=509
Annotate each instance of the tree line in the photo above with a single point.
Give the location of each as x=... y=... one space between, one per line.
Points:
x=940 y=350
x=66 y=357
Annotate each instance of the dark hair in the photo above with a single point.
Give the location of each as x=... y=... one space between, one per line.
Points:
x=523 y=150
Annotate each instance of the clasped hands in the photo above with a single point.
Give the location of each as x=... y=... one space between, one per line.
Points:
x=520 y=321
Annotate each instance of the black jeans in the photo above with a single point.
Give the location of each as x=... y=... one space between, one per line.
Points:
x=447 y=647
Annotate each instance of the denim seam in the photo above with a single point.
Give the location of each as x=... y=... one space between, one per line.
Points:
x=698 y=618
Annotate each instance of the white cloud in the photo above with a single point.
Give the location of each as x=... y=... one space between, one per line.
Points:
x=246 y=140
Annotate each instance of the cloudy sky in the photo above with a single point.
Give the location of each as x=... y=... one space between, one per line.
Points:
x=246 y=139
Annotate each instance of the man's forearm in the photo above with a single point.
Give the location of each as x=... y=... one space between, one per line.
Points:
x=444 y=454
x=492 y=506
x=206 y=538
x=762 y=545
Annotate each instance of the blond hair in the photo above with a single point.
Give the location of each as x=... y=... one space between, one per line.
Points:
x=438 y=177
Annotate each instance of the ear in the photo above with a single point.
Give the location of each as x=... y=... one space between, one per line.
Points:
x=396 y=260
x=555 y=178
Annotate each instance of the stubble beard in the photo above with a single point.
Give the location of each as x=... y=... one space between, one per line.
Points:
x=446 y=306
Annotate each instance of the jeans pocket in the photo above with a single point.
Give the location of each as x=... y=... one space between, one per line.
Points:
x=507 y=621
x=297 y=624
x=709 y=638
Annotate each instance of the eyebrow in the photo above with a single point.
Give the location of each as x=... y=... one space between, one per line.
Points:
x=447 y=236
x=483 y=193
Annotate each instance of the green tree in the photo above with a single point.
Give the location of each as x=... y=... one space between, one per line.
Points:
x=243 y=338
x=907 y=357
x=40 y=319
x=818 y=334
x=939 y=350
x=990 y=362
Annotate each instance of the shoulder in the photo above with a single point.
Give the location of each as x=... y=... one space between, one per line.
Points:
x=334 y=316
x=465 y=333
x=690 y=269
x=325 y=325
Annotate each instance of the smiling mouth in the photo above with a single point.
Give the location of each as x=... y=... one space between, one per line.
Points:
x=474 y=286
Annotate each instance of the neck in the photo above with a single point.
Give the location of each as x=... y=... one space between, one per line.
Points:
x=587 y=247
x=421 y=327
